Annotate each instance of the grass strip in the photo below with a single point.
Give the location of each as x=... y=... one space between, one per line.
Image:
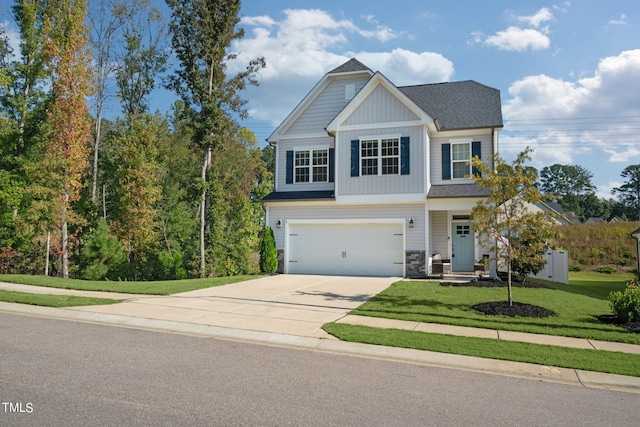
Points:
x=48 y=300
x=563 y=357
x=165 y=287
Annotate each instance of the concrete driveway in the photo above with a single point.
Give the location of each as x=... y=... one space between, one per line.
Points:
x=287 y=304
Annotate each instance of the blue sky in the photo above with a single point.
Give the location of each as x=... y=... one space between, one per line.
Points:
x=568 y=72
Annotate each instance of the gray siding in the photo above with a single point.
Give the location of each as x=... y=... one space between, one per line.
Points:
x=291 y=144
x=439 y=242
x=436 y=157
x=325 y=107
x=385 y=184
x=415 y=236
x=381 y=106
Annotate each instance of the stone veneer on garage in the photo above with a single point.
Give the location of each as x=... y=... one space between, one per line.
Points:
x=416 y=264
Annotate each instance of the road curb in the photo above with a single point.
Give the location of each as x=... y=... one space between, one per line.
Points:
x=587 y=379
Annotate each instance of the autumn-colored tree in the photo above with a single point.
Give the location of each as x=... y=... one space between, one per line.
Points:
x=68 y=58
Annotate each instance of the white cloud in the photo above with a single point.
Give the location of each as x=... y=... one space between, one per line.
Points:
x=305 y=44
x=518 y=39
x=622 y=20
x=574 y=117
x=13 y=37
x=543 y=15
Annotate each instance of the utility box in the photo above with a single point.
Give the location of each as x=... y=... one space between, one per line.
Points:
x=557 y=267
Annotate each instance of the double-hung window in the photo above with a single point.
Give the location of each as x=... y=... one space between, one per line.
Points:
x=311 y=166
x=380 y=156
x=461 y=160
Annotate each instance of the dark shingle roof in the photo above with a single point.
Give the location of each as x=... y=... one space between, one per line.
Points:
x=299 y=195
x=458 y=105
x=457 y=190
x=350 y=66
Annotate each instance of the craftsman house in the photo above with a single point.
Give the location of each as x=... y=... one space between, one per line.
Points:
x=373 y=179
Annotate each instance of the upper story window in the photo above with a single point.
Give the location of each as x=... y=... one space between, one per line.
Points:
x=461 y=160
x=311 y=166
x=380 y=156
x=456 y=158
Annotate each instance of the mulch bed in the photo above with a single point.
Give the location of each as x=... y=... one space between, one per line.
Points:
x=612 y=319
x=515 y=309
x=527 y=310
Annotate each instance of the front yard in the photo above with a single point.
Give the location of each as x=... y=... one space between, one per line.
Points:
x=576 y=307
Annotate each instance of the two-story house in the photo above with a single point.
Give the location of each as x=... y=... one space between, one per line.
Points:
x=373 y=179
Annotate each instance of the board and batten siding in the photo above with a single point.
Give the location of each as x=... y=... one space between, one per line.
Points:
x=436 y=156
x=415 y=238
x=300 y=144
x=412 y=183
x=381 y=106
x=439 y=226
x=325 y=107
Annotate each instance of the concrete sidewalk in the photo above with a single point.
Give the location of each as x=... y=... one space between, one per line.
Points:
x=289 y=310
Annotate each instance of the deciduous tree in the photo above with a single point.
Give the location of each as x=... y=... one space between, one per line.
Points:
x=68 y=58
x=202 y=31
x=629 y=192
x=505 y=220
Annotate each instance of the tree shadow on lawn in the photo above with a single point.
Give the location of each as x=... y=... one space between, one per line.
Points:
x=489 y=321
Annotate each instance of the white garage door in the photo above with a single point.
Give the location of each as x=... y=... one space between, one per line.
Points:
x=374 y=249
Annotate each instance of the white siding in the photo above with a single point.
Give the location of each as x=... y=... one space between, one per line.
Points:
x=415 y=239
x=325 y=107
x=385 y=184
x=297 y=144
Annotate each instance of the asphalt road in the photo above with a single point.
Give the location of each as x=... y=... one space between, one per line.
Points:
x=63 y=373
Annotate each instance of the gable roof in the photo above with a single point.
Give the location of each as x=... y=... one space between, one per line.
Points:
x=458 y=105
x=353 y=65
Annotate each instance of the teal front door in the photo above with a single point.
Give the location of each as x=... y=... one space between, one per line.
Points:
x=462 y=250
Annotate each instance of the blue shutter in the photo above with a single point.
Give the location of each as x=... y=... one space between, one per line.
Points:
x=332 y=164
x=475 y=151
x=289 y=167
x=405 y=168
x=446 y=161
x=355 y=157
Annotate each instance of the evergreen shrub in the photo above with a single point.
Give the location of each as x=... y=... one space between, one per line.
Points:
x=268 y=252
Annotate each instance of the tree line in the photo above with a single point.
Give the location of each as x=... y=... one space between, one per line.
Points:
x=572 y=188
x=92 y=191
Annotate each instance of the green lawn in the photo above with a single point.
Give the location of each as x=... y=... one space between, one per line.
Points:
x=427 y=301
x=574 y=358
x=52 y=300
x=577 y=307
x=167 y=287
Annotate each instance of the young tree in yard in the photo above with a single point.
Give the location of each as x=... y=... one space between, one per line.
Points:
x=515 y=234
x=67 y=53
x=202 y=30
x=629 y=192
